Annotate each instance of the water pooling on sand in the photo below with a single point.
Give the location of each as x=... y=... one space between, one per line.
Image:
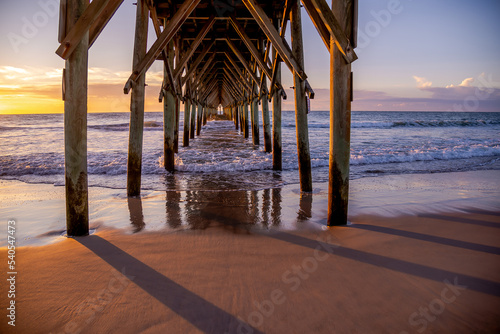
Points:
x=383 y=143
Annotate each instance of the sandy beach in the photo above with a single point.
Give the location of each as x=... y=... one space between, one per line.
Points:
x=417 y=257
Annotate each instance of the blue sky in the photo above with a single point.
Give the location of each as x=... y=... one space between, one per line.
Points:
x=413 y=55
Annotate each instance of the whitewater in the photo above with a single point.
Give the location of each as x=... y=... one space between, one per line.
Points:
x=382 y=143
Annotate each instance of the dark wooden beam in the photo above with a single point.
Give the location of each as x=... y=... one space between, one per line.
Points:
x=168 y=33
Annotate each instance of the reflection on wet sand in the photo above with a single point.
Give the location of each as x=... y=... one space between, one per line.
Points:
x=237 y=211
x=172 y=203
x=305 y=207
x=136 y=214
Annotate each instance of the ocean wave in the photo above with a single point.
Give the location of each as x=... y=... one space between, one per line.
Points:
x=148 y=125
x=409 y=124
x=420 y=155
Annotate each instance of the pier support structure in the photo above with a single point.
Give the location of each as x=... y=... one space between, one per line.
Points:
x=169 y=115
x=340 y=119
x=75 y=129
x=254 y=107
x=300 y=100
x=187 y=122
x=192 y=127
x=134 y=163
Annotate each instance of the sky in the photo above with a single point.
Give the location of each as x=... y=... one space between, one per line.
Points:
x=414 y=55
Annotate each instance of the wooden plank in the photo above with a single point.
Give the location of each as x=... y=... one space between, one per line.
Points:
x=168 y=33
x=134 y=161
x=278 y=42
x=80 y=29
x=103 y=19
x=340 y=123
x=305 y=172
x=333 y=25
x=75 y=130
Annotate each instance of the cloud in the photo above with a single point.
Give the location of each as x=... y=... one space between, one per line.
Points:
x=422 y=82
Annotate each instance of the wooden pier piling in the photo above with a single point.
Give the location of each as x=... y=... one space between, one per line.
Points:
x=198 y=119
x=192 y=128
x=134 y=163
x=266 y=123
x=245 y=118
x=169 y=113
x=75 y=129
x=340 y=120
x=187 y=122
x=300 y=100
x=255 y=121
x=276 y=99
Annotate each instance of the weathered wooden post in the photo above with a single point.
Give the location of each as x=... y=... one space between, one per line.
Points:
x=236 y=117
x=340 y=120
x=75 y=129
x=277 y=149
x=177 y=122
x=266 y=123
x=193 y=119
x=242 y=117
x=187 y=121
x=300 y=101
x=169 y=111
x=245 y=111
x=199 y=118
x=134 y=163
x=255 y=120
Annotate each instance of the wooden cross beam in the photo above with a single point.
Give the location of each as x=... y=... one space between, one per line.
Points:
x=236 y=69
x=91 y=18
x=242 y=60
x=332 y=24
x=168 y=33
x=103 y=19
x=205 y=70
x=189 y=53
x=251 y=47
x=230 y=77
x=318 y=23
x=198 y=60
x=168 y=68
x=278 y=42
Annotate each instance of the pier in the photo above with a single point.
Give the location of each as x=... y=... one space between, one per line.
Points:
x=217 y=55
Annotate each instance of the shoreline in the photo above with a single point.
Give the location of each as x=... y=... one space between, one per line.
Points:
x=40 y=208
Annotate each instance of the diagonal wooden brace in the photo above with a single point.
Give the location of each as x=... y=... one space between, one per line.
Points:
x=332 y=24
x=166 y=36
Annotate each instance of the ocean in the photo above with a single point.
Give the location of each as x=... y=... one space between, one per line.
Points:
x=382 y=143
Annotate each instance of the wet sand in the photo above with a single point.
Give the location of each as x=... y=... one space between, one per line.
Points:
x=237 y=262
